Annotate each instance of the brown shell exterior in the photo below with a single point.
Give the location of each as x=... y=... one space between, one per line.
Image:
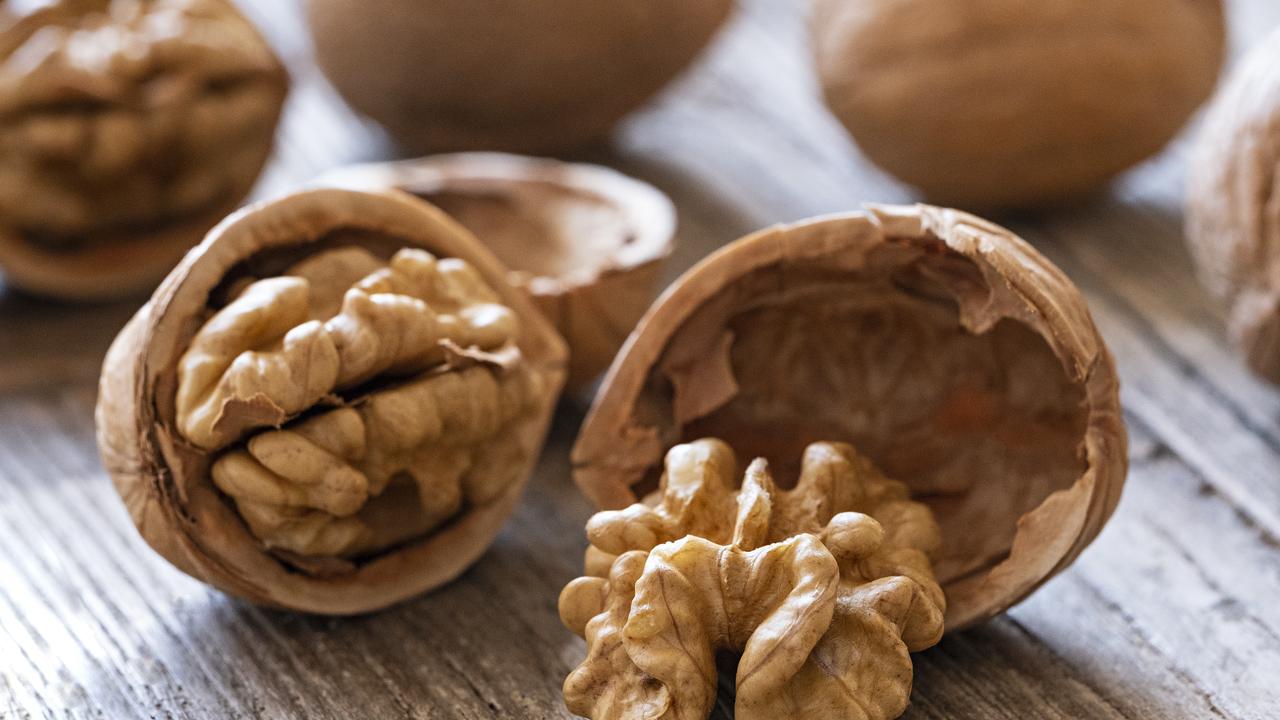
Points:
x=132 y=261
x=535 y=77
x=1002 y=287
x=1003 y=103
x=1233 y=205
x=178 y=511
x=594 y=299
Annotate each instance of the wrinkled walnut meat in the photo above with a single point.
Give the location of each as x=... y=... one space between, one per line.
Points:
x=127 y=129
x=331 y=404
x=288 y=343
x=822 y=590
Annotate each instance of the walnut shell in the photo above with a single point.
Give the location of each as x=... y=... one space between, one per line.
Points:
x=244 y=443
x=586 y=242
x=1233 y=205
x=946 y=349
x=127 y=130
x=534 y=77
x=1001 y=103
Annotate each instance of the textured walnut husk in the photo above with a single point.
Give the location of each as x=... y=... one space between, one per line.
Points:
x=331 y=404
x=586 y=242
x=127 y=130
x=536 y=77
x=1233 y=205
x=1005 y=103
x=821 y=590
x=946 y=349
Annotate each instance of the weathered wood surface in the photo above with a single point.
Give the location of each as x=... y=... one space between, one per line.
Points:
x=1173 y=613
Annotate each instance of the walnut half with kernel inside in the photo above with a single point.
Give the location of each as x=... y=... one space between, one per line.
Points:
x=331 y=405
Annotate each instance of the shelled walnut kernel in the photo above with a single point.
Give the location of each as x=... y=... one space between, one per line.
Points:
x=822 y=590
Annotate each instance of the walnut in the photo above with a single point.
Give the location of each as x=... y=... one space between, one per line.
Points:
x=822 y=590
x=1233 y=205
x=331 y=405
x=534 y=77
x=1003 y=103
x=127 y=129
x=586 y=242
x=949 y=351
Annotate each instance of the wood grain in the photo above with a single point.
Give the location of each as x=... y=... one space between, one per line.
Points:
x=1171 y=614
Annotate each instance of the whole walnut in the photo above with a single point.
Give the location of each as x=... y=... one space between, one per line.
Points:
x=1233 y=205
x=999 y=103
x=332 y=403
x=948 y=351
x=531 y=76
x=127 y=129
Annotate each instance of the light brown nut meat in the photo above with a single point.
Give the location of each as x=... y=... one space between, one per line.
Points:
x=820 y=601
x=127 y=129
x=331 y=405
x=1233 y=205
x=261 y=360
x=1004 y=103
x=946 y=349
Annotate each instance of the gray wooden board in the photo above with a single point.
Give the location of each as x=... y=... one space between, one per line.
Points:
x=1172 y=613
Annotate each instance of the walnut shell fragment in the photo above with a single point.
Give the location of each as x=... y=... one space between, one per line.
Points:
x=1233 y=205
x=946 y=349
x=332 y=403
x=1007 y=103
x=535 y=77
x=586 y=242
x=127 y=130
x=823 y=590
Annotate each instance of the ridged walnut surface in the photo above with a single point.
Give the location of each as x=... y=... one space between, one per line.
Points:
x=950 y=352
x=822 y=590
x=586 y=242
x=1233 y=205
x=331 y=405
x=535 y=77
x=127 y=129
x=997 y=103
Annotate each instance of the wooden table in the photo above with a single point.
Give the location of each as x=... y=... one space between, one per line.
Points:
x=1174 y=612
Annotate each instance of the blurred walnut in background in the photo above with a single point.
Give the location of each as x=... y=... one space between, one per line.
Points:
x=127 y=129
x=1233 y=205
x=521 y=76
x=999 y=103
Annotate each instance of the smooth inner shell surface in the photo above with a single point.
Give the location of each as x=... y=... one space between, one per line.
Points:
x=165 y=480
x=941 y=346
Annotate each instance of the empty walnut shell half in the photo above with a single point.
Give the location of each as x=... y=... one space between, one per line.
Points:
x=1006 y=103
x=1233 y=205
x=127 y=130
x=946 y=349
x=331 y=404
x=586 y=242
